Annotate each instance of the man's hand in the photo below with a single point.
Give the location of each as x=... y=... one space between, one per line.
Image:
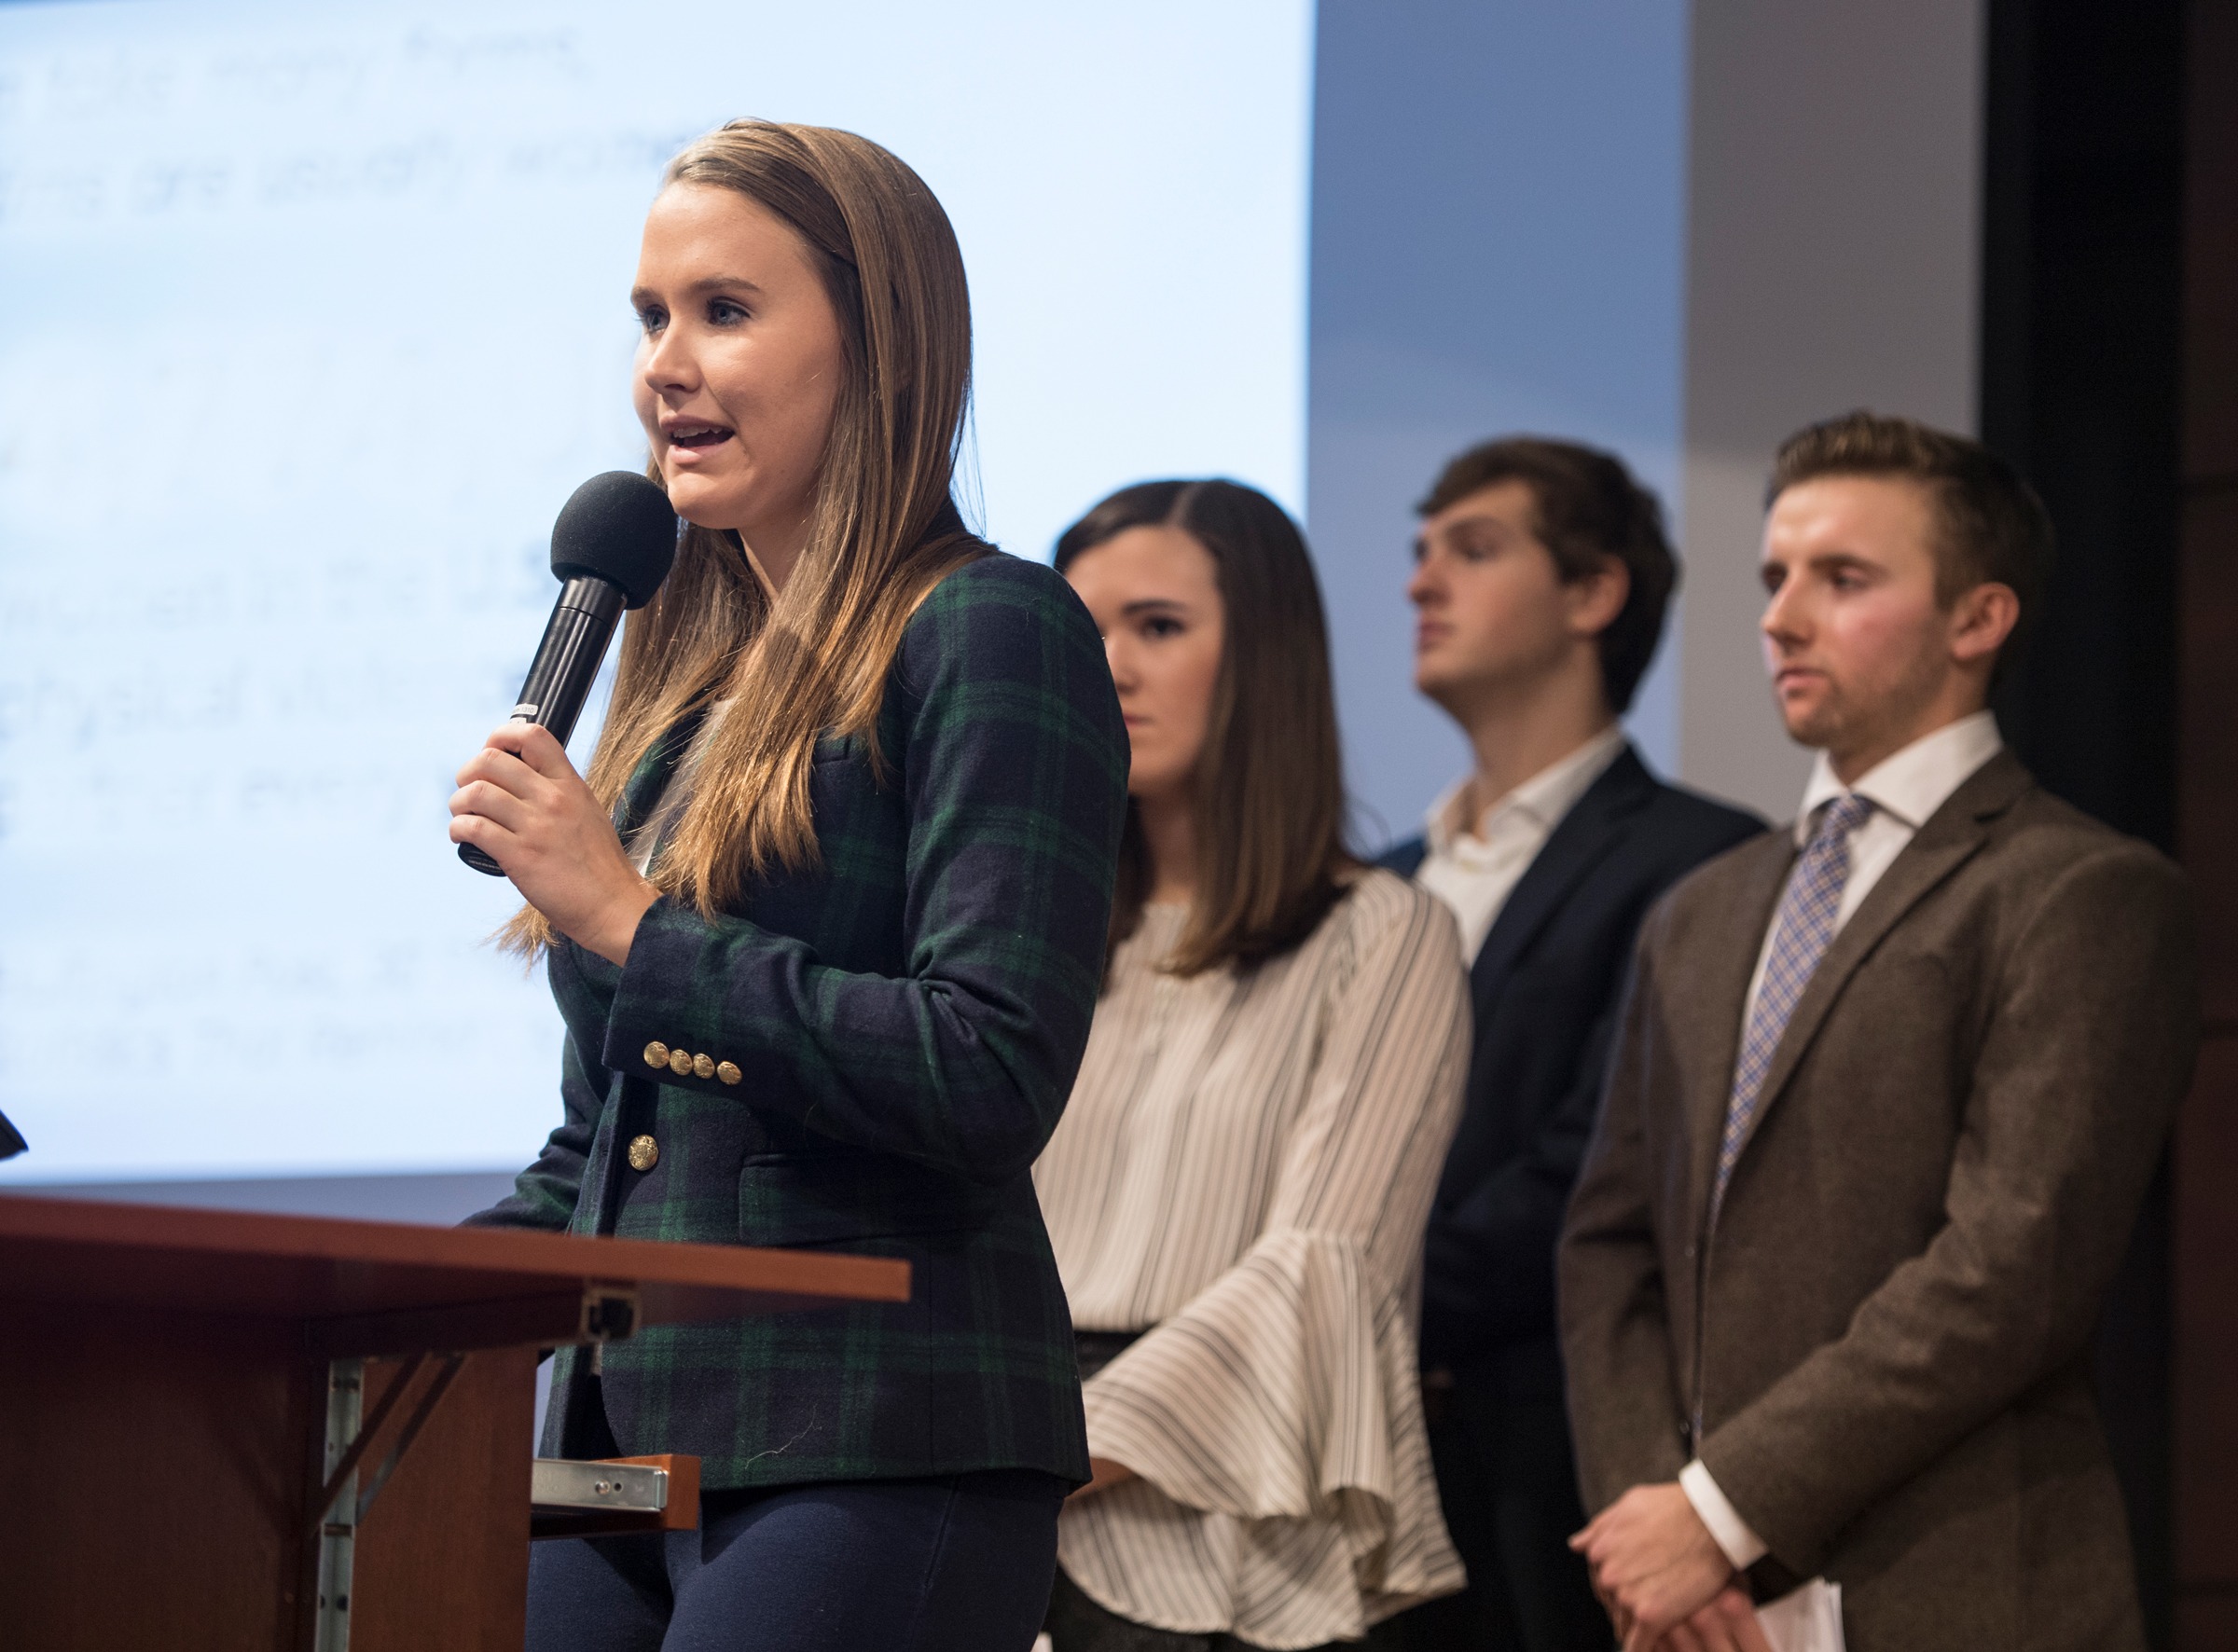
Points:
x=1727 y=1624
x=1654 y=1562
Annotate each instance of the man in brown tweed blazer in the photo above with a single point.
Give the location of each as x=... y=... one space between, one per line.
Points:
x=1887 y=1094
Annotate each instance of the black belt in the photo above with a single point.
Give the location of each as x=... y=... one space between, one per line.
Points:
x=1095 y=1349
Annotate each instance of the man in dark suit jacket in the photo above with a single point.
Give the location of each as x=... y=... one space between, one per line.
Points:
x=1887 y=1093
x=1541 y=576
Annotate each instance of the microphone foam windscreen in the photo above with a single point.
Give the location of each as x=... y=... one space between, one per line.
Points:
x=618 y=527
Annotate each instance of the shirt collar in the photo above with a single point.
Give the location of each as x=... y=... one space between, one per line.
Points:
x=1916 y=781
x=1545 y=797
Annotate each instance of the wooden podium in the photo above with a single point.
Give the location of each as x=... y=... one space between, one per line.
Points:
x=282 y=1433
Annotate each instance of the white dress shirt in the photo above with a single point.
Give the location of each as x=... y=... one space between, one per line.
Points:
x=1905 y=791
x=1475 y=872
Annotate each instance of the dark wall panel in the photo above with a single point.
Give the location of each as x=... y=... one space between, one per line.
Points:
x=2207 y=1152
x=2080 y=350
x=2081 y=342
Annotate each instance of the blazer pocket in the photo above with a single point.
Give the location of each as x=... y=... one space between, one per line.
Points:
x=821 y=1199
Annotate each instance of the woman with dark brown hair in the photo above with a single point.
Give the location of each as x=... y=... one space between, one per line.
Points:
x=825 y=924
x=1238 y=1191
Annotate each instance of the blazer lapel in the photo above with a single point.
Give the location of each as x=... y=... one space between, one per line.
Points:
x=1405 y=859
x=1577 y=844
x=650 y=778
x=1581 y=840
x=1715 y=998
x=1946 y=842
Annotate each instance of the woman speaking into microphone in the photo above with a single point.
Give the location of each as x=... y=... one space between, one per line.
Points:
x=825 y=923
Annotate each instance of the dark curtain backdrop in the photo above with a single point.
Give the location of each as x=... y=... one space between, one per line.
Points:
x=2081 y=342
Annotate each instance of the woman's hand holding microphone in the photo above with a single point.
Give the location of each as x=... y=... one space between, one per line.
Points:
x=520 y=802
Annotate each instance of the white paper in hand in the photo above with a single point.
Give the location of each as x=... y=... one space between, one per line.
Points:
x=1808 y=1620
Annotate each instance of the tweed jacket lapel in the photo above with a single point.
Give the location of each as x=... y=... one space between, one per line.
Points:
x=1946 y=841
x=1718 y=997
x=1578 y=843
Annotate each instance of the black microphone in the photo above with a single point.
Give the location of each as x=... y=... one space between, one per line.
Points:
x=611 y=549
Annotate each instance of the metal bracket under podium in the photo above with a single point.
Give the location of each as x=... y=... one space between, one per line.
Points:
x=603 y=1498
x=598 y=1314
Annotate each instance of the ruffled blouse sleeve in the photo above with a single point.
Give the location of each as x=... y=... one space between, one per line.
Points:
x=1286 y=1391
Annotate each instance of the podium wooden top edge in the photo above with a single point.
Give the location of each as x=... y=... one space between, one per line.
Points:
x=319 y=1267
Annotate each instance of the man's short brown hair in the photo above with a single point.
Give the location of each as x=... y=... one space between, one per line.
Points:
x=1990 y=528
x=1589 y=510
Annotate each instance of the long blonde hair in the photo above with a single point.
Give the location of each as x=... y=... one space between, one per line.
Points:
x=882 y=530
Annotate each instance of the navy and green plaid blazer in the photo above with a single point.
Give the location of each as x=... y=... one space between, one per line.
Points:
x=904 y=1024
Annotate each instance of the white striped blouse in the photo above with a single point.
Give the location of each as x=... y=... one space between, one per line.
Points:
x=1243 y=1173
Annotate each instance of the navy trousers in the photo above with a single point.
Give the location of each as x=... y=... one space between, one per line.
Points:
x=960 y=1564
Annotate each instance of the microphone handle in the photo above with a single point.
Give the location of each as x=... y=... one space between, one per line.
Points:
x=559 y=677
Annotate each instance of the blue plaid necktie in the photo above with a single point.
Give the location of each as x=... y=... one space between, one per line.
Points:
x=1800 y=932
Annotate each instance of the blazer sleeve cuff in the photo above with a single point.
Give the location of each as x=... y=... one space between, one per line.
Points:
x=667 y=1018
x=1741 y=1545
